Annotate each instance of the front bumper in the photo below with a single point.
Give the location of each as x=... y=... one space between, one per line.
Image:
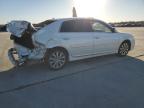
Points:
x=132 y=43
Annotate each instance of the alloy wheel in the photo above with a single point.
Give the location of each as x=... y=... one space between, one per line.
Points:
x=57 y=59
x=124 y=49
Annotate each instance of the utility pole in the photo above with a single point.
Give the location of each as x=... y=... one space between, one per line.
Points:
x=74 y=11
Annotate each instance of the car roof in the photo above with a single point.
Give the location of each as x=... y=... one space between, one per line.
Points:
x=75 y=18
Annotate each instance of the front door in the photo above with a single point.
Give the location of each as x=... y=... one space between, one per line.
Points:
x=105 y=41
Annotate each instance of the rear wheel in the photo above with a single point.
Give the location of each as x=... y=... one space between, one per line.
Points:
x=123 y=49
x=56 y=59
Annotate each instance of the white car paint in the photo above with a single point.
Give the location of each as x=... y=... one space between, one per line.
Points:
x=80 y=45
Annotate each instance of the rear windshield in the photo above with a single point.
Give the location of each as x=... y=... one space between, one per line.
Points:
x=44 y=23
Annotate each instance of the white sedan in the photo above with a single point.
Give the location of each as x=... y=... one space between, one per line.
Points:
x=72 y=39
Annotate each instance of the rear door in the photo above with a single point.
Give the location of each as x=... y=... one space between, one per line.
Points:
x=76 y=35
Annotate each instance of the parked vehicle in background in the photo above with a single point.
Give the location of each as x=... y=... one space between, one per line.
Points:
x=66 y=40
x=2 y=28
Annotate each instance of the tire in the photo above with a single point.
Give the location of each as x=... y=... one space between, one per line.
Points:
x=123 y=49
x=56 y=59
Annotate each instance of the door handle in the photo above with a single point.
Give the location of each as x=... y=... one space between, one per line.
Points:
x=65 y=38
x=96 y=38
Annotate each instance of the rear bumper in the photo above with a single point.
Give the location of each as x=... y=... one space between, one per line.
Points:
x=132 y=44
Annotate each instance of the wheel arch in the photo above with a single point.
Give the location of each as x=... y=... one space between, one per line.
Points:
x=128 y=41
x=57 y=48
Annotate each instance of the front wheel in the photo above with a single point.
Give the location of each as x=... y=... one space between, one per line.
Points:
x=56 y=59
x=123 y=49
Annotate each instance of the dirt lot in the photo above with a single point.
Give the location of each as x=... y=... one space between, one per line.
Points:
x=5 y=44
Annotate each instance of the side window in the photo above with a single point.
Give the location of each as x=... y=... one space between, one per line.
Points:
x=67 y=26
x=76 y=26
x=99 y=27
x=83 y=26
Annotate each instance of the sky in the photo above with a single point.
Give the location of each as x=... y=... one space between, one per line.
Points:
x=40 y=10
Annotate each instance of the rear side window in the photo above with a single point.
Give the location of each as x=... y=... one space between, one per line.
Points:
x=76 y=26
x=67 y=26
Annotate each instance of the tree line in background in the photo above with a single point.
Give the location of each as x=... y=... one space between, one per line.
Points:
x=114 y=24
x=128 y=24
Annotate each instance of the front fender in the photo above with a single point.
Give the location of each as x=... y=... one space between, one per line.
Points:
x=131 y=39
